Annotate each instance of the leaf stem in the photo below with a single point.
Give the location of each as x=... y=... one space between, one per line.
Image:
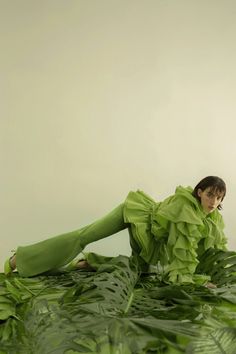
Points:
x=129 y=302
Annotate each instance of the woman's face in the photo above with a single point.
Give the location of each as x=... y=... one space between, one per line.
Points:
x=210 y=199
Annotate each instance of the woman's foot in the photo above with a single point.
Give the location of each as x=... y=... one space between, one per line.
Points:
x=81 y=264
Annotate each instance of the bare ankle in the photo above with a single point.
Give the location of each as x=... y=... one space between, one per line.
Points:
x=13 y=262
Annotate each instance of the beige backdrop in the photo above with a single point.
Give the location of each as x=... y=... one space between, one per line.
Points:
x=99 y=97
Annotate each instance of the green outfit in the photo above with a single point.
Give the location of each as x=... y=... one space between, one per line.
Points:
x=173 y=232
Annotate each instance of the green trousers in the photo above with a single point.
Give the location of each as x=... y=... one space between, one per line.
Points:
x=57 y=251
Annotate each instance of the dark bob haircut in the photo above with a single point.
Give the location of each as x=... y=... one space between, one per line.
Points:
x=215 y=183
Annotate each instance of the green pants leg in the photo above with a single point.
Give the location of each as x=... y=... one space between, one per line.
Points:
x=57 y=251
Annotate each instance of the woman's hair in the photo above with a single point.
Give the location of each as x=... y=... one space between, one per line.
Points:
x=215 y=183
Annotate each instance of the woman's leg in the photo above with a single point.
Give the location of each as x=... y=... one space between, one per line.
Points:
x=57 y=251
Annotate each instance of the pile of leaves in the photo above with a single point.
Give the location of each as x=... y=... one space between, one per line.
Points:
x=117 y=310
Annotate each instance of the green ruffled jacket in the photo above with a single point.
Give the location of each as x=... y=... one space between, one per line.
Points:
x=174 y=232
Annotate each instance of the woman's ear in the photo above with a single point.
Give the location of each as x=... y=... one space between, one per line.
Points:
x=199 y=192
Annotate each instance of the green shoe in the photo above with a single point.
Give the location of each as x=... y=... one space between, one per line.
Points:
x=71 y=266
x=7 y=267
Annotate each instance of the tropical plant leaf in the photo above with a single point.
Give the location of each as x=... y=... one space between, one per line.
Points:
x=220 y=265
x=117 y=310
x=220 y=341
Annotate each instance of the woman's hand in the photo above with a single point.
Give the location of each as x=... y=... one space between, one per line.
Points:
x=210 y=285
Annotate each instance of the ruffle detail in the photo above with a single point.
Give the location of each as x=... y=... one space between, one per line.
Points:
x=170 y=232
x=182 y=249
x=138 y=212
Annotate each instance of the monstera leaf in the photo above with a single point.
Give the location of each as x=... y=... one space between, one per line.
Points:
x=220 y=265
x=118 y=310
x=220 y=341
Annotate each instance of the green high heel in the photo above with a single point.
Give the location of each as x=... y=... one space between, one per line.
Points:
x=8 y=269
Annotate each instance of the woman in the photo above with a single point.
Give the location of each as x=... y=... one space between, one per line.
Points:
x=173 y=232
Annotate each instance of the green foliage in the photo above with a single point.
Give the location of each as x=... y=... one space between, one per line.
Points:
x=220 y=341
x=117 y=310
